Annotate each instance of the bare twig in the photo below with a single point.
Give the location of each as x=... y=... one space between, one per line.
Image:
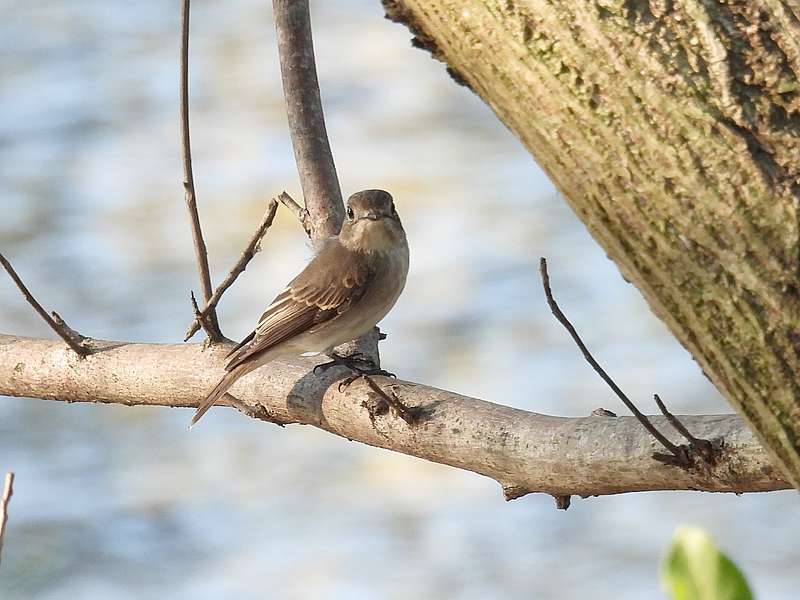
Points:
x=704 y=448
x=73 y=339
x=199 y=316
x=252 y=248
x=675 y=450
x=300 y=213
x=200 y=251
x=321 y=192
x=8 y=490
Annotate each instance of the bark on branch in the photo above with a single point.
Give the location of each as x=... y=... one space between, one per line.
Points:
x=524 y=451
x=671 y=130
x=312 y=152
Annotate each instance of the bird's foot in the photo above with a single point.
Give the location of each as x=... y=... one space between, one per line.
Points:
x=363 y=367
x=359 y=364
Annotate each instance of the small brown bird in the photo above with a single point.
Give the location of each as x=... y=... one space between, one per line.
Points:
x=346 y=289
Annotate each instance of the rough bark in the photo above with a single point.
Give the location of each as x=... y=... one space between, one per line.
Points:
x=525 y=452
x=673 y=131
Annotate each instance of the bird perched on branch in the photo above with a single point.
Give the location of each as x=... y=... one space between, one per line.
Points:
x=346 y=289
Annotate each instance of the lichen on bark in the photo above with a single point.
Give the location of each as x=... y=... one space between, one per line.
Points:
x=672 y=128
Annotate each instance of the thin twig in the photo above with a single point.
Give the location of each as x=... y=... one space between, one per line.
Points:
x=300 y=213
x=8 y=491
x=73 y=339
x=200 y=251
x=675 y=450
x=253 y=246
x=201 y=318
x=321 y=191
x=703 y=447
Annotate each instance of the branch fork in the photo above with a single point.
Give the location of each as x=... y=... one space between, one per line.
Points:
x=678 y=455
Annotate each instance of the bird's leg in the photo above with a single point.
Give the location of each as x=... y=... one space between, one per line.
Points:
x=369 y=368
x=362 y=366
x=337 y=360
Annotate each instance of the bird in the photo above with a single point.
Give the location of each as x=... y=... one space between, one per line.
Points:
x=351 y=283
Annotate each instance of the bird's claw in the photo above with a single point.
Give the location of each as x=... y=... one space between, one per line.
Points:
x=345 y=383
x=359 y=364
x=340 y=361
x=363 y=367
x=321 y=368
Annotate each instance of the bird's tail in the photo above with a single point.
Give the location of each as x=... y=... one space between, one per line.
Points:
x=219 y=390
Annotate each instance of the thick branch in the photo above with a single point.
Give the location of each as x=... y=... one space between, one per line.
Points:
x=312 y=152
x=525 y=452
x=200 y=251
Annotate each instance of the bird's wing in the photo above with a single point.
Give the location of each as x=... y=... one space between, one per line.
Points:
x=329 y=286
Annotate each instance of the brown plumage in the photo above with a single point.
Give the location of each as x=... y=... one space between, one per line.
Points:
x=314 y=297
x=342 y=293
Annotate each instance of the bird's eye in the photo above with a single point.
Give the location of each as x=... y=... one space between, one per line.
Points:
x=349 y=213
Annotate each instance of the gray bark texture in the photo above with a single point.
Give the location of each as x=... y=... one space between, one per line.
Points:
x=525 y=452
x=312 y=151
x=672 y=129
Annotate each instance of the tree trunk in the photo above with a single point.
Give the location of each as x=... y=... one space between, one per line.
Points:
x=673 y=131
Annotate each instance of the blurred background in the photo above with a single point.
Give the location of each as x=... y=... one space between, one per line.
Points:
x=117 y=502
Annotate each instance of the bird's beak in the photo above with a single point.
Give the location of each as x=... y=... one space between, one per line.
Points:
x=373 y=216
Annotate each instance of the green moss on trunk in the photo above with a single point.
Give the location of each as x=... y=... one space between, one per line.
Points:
x=673 y=130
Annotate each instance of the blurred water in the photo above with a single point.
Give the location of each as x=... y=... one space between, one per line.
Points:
x=124 y=503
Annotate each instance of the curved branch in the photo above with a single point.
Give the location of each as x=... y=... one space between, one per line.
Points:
x=312 y=152
x=524 y=451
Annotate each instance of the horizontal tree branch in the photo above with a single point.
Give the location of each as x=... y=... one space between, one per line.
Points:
x=524 y=451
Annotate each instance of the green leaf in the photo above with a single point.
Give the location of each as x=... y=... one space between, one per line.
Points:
x=695 y=569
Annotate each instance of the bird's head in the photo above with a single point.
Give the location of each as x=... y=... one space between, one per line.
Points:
x=372 y=223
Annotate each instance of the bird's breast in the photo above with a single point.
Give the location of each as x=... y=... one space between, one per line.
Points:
x=383 y=290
